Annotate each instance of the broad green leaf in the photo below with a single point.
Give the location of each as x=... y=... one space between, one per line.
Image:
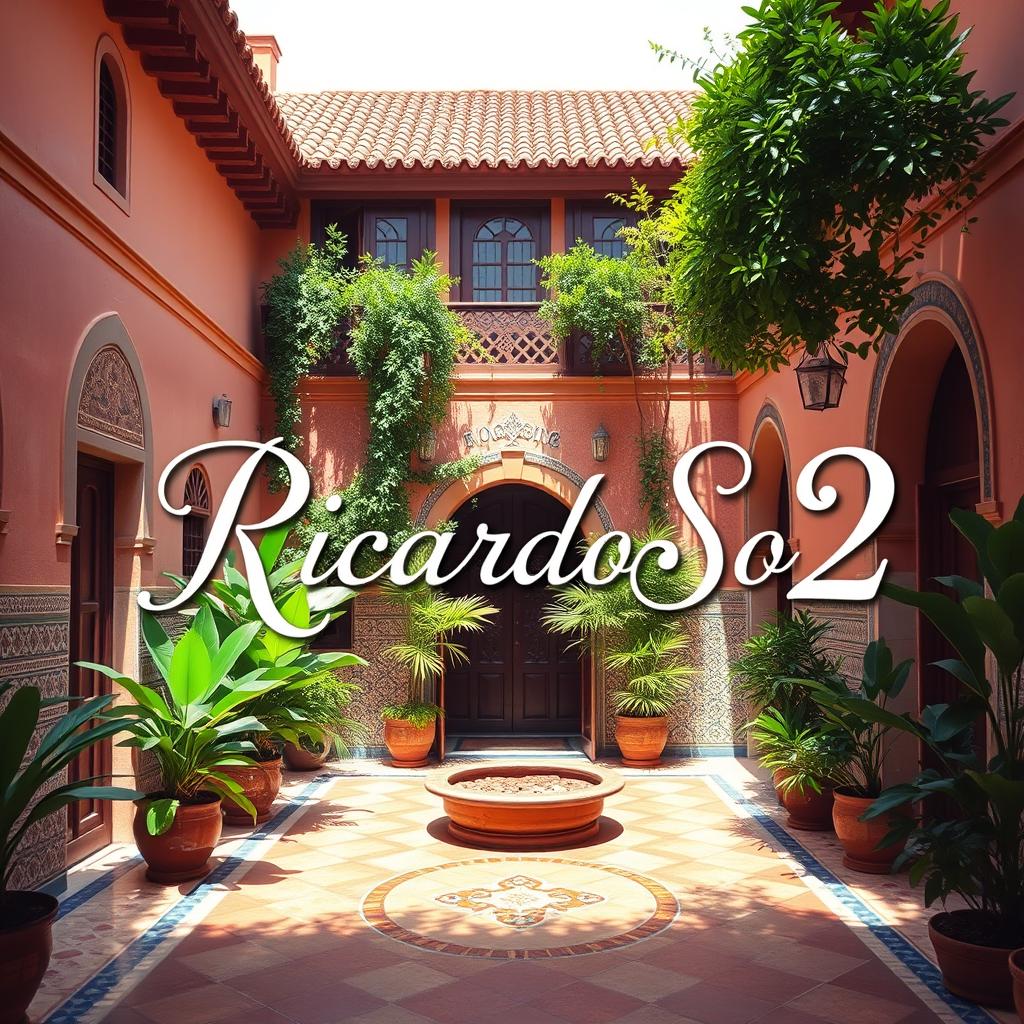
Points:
x=158 y=643
x=160 y=815
x=17 y=724
x=189 y=676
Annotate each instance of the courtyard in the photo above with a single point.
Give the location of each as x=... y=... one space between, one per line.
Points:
x=693 y=904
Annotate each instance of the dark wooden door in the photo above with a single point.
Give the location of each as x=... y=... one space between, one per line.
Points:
x=92 y=605
x=520 y=677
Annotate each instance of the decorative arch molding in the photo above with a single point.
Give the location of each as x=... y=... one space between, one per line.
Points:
x=541 y=471
x=936 y=299
x=107 y=412
x=769 y=414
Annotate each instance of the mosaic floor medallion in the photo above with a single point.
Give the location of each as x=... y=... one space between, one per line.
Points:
x=520 y=907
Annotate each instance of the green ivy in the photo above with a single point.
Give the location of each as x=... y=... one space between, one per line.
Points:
x=306 y=304
x=815 y=149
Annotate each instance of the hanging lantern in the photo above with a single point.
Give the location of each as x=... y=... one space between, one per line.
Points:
x=600 y=443
x=222 y=411
x=428 y=445
x=821 y=378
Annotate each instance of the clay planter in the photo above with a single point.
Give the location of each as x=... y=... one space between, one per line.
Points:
x=299 y=759
x=1017 y=974
x=408 y=744
x=524 y=821
x=183 y=851
x=260 y=782
x=641 y=740
x=807 y=810
x=860 y=839
x=26 y=921
x=978 y=973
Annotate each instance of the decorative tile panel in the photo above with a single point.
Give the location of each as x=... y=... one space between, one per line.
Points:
x=851 y=629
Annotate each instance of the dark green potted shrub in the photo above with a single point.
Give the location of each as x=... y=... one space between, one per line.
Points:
x=969 y=842
x=867 y=843
x=26 y=797
x=643 y=648
x=322 y=704
x=411 y=726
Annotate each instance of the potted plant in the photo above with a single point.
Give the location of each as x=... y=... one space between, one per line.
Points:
x=194 y=734
x=323 y=704
x=805 y=761
x=280 y=710
x=27 y=796
x=969 y=843
x=869 y=844
x=643 y=647
x=410 y=727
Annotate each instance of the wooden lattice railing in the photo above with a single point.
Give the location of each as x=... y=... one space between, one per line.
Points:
x=509 y=333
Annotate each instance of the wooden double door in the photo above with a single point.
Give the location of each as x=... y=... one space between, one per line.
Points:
x=89 y=826
x=520 y=677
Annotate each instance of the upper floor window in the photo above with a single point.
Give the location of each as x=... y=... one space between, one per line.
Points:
x=391 y=241
x=599 y=225
x=607 y=239
x=504 y=249
x=193 y=525
x=111 y=135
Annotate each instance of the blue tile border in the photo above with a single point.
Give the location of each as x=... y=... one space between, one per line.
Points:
x=97 y=885
x=73 y=1009
x=100 y=985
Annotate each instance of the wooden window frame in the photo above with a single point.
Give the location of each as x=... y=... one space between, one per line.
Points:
x=580 y=214
x=119 y=191
x=420 y=214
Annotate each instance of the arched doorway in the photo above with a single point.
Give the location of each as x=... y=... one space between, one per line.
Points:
x=520 y=679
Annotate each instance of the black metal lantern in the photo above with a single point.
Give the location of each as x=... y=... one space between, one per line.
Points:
x=600 y=443
x=222 y=411
x=428 y=445
x=822 y=377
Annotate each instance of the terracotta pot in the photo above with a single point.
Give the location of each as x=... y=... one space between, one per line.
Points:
x=260 y=782
x=408 y=744
x=808 y=810
x=299 y=759
x=1017 y=976
x=26 y=921
x=860 y=839
x=777 y=779
x=183 y=851
x=641 y=740
x=978 y=973
x=522 y=821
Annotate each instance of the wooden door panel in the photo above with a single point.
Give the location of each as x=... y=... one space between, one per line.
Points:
x=92 y=596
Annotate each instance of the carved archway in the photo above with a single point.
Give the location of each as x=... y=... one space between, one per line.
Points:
x=539 y=471
x=107 y=413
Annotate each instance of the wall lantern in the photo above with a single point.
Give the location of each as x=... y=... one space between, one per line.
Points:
x=428 y=445
x=821 y=378
x=222 y=411
x=600 y=442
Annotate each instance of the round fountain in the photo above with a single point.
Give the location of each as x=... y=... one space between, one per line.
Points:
x=520 y=806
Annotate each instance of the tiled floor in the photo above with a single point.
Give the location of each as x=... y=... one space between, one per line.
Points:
x=692 y=905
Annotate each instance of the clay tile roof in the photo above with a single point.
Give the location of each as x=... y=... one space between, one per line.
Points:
x=484 y=128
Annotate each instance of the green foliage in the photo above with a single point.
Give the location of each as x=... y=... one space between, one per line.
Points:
x=417 y=712
x=814 y=149
x=972 y=843
x=647 y=647
x=323 y=705
x=806 y=756
x=433 y=617
x=306 y=305
x=26 y=793
x=778 y=661
x=854 y=716
x=200 y=727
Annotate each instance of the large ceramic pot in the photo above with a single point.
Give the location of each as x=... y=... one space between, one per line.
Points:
x=861 y=839
x=641 y=740
x=978 y=973
x=299 y=759
x=1017 y=976
x=183 y=851
x=26 y=921
x=260 y=782
x=408 y=744
x=807 y=809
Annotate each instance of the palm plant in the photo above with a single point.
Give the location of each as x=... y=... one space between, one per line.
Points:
x=22 y=781
x=645 y=646
x=802 y=757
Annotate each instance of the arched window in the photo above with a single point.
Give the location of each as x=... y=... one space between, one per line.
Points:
x=607 y=240
x=193 y=525
x=111 y=124
x=503 y=270
x=391 y=241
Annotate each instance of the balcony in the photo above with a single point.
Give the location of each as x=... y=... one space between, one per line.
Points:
x=512 y=335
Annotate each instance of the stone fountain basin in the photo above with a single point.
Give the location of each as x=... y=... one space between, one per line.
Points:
x=518 y=821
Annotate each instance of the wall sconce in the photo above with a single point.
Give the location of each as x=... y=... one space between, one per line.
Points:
x=822 y=377
x=600 y=443
x=222 y=411
x=428 y=445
